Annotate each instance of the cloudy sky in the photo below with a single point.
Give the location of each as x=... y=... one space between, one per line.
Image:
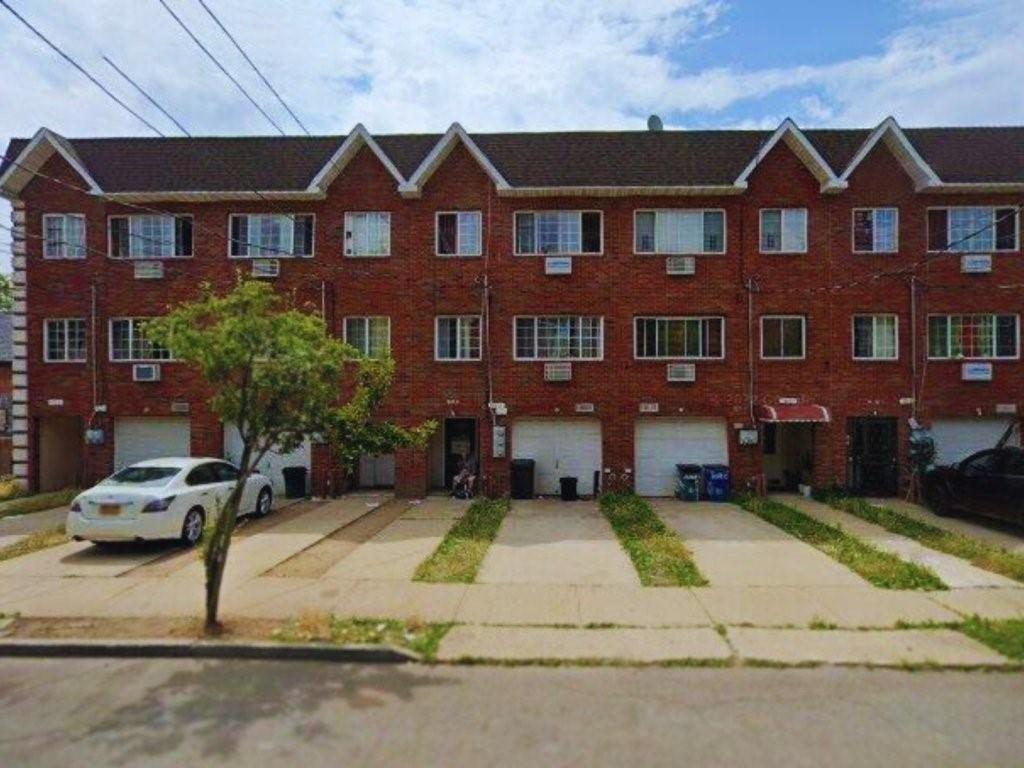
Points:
x=417 y=65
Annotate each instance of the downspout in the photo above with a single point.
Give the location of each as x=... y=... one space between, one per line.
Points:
x=913 y=344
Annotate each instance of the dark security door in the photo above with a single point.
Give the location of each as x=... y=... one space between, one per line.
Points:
x=459 y=441
x=873 y=456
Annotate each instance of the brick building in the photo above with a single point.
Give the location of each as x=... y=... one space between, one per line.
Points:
x=607 y=303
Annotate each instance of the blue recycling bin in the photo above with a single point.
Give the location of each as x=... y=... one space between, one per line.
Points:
x=716 y=482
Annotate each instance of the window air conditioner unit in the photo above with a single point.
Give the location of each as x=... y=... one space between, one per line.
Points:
x=681 y=265
x=149 y=270
x=976 y=263
x=976 y=372
x=682 y=372
x=558 y=265
x=146 y=372
x=557 y=371
x=266 y=268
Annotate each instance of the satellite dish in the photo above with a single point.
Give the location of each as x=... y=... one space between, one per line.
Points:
x=654 y=123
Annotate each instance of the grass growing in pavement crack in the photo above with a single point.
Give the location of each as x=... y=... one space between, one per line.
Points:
x=882 y=569
x=45 y=539
x=658 y=553
x=423 y=639
x=459 y=555
x=978 y=553
x=1005 y=637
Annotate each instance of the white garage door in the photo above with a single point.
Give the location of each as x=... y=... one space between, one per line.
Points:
x=561 y=448
x=663 y=443
x=141 y=439
x=956 y=439
x=272 y=463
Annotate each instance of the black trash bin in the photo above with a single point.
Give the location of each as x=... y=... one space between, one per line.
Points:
x=522 y=478
x=568 y=487
x=688 y=484
x=294 y=482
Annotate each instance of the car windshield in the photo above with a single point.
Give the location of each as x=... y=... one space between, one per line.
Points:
x=145 y=477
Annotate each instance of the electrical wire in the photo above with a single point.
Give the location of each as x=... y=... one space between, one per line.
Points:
x=146 y=96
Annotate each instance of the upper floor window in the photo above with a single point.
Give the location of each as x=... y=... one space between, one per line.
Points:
x=368 y=234
x=874 y=337
x=875 y=230
x=973 y=337
x=674 y=232
x=128 y=342
x=783 y=337
x=784 y=230
x=457 y=337
x=558 y=232
x=679 y=338
x=459 y=233
x=370 y=335
x=974 y=229
x=64 y=341
x=272 y=235
x=64 y=236
x=150 y=237
x=559 y=337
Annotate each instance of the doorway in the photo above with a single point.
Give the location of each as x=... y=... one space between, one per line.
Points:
x=60 y=452
x=873 y=456
x=459 y=441
x=788 y=449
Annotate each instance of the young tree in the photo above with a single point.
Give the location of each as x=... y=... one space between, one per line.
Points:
x=277 y=374
x=6 y=293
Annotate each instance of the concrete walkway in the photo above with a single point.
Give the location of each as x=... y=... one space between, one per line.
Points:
x=555 y=542
x=954 y=571
x=735 y=548
x=993 y=532
x=14 y=528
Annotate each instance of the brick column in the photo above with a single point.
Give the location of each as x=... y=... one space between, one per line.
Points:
x=19 y=365
x=412 y=473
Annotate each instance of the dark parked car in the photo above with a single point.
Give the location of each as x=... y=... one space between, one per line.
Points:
x=989 y=483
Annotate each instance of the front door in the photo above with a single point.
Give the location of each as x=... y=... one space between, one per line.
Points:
x=459 y=442
x=874 y=468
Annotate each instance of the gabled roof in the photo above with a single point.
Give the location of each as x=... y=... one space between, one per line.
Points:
x=583 y=162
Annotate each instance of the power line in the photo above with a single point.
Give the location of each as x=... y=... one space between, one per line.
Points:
x=253 y=65
x=220 y=66
x=145 y=95
x=81 y=69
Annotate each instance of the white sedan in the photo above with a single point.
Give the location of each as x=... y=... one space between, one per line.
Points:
x=163 y=499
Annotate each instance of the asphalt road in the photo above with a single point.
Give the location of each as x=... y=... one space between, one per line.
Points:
x=249 y=713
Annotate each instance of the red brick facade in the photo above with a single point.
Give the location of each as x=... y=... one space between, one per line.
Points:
x=413 y=285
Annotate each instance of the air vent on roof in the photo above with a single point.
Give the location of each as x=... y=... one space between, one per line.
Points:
x=681 y=265
x=654 y=123
x=149 y=270
x=266 y=268
x=557 y=371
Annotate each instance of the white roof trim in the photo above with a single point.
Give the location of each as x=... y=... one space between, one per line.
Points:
x=32 y=158
x=414 y=186
x=612 y=191
x=902 y=149
x=201 y=196
x=356 y=140
x=803 y=148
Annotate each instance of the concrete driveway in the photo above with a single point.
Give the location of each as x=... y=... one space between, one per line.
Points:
x=546 y=541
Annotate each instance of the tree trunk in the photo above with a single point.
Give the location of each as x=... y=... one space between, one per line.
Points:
x=215 y=556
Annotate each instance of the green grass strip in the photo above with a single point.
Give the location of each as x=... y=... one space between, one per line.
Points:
x=882 y=569
x=34 y=542
x=459 y=555
x=978 y=553
x=420 y=638
x=39 y=502
x=1006 y=636
x=658 y=553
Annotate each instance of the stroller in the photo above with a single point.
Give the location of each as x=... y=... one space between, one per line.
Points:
x=464 y=482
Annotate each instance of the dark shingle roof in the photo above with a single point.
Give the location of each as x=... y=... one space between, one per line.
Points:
x=594 y=158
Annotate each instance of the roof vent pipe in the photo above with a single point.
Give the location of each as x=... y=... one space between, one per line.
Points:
x=654 y=123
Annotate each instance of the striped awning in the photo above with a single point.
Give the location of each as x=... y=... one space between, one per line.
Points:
x=793 y=413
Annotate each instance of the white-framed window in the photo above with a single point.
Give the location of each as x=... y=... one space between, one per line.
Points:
x=875 y=337
x=559 y=337
x=63 y=236
x=783 y=230
x=679 y=338
x=150 y=236
x=974 y=337
x=128 y=343
x=875 y=230
x=458 y=233
x=679 y=231
x=558 y=232
x=370 y=335
x=973 y=229
x=64 y=340
x=368 y=234
x=271 y=235
x=457 y=337
x=783 y=337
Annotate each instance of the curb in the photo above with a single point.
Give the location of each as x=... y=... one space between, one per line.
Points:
x=187 y=649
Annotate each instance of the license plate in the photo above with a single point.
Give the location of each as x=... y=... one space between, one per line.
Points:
x=110 y=510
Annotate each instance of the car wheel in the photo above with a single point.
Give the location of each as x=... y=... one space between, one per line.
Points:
x=192 y=528
x=264 y=502
x=940 y=502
